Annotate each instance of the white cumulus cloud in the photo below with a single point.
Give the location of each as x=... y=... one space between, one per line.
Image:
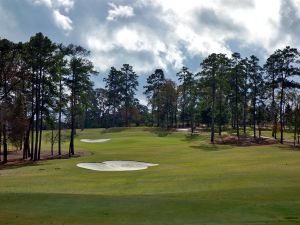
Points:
x=118 y=11
x=62 y=21
x=65 y=4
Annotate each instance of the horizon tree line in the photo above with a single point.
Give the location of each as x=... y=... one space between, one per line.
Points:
x=45 y=85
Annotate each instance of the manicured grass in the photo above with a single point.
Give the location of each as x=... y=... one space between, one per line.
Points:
x=195 y=183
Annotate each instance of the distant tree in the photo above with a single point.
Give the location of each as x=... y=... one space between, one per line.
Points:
x=113 y=85
x=272 y=84
x=213 y=73
x=167 y=101
x=59 y=72
x=236 y=78
x=286 y=66
x=154 y=83
x=129 y=86
x=185 y=89
x=256 y=86
x=79 y=83
x=40 y=51
x=11 y=79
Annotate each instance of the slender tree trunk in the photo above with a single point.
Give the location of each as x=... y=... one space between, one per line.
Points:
x=32 y=116
x=59 y=115
x=41 y=122
x=281 y=111
x=114 y=113
x=152 y=115
x=298 y=138
x=71 y=147
x=26 y=147
x=295 y=129
x=220 y=112
x=254 y=119
x=274 y=128
x=212 y=134
x=126 y=113
x=5 y=150
x=1 y=121
x=52 y=140
x=37 y=123
x=41 y=135
x=254 y=112
x=245 y=112
x=236 y=108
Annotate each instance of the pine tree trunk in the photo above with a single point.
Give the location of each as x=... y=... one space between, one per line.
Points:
x=59 y=117
x=41 y=135
x=220 y=113
x=274 y=128
x=37 y=122
x=236 y=108
x=32 y=117
x=254 y=112
x=1 y=121
x=73 y=95
x=52 y=140
x=5 y=150
x=281 y=112
x=254 y=119
x=212 y=134
x=245 y=113
x=295 y=129
x=26 y=144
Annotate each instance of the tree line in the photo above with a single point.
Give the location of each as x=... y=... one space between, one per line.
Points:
x=229 y=92
x=45 y=85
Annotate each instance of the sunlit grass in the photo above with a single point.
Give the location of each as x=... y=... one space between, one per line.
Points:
x=195 y=183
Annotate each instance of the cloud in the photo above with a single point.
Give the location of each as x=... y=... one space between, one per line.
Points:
x=62 y=21
x=289 y=24
x=65 y=4
x=119 y=11
x=154 y=33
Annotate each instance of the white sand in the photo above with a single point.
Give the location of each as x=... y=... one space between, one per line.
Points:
x=116 y=166
x=183 y=129
x=94 y=140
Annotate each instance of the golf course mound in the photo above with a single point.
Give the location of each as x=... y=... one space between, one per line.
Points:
x=116 y=166
x=94 y=140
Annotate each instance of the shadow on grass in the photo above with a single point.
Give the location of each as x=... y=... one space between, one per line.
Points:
x=289 y=147
x=19 y=165
x=212 y=147
x=161 y=132
x=192 y=137
x=113 y=130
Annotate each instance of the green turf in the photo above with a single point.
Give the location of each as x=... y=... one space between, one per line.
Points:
x=195 y=183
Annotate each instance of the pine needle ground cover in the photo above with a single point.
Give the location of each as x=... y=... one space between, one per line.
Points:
x=195 y=183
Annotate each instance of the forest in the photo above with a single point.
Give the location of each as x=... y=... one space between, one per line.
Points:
x=48 y=86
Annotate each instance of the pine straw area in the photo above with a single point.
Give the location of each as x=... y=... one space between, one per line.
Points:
x=245 y=140
x=15 y=158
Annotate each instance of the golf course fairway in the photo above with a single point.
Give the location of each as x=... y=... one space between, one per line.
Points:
x=196 y=183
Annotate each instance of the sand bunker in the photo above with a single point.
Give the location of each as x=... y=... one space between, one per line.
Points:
x=94 y=140
x=183 y=129
x=116 y=165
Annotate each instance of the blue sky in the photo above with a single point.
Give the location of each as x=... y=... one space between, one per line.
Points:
x=151 y=34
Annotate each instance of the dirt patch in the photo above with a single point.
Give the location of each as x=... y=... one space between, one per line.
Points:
x=245 y=140
x=15 y=158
